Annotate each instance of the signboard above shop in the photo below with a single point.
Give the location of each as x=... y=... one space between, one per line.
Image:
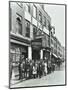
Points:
x=36 y=44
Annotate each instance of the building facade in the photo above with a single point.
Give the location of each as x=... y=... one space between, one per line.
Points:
x=29 y=33
x=27 y=21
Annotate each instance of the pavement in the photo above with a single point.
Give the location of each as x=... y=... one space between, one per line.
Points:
x=55 y=78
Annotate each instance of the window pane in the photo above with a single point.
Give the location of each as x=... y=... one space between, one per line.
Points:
x=17 y=54
x=20 y=28
x=40 y=17
x=12 y=55
x=28 y=8
x=39 y=32
x=45 y=21
x=27 y=29
x=49 y=26
x=34 y=31
x=34 y=11
x=19 y=24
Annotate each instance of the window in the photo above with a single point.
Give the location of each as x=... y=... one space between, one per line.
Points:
x=39 y=32
x=14 y=54
x=49 y=26
x=52 y=49
x=51 y=41
x=34 y=31
x=45 y=21
x=28 y=8
x=35 y=11
x=47 y=39
x=40 y=17
x=42 y=6
x=19 y=24
x=27 y=29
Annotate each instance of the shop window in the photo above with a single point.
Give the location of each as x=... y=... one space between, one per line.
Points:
x=14 y=54
x=40 y=17
x=27 y=29
x=19 y=24
x=17 y=54
x=35 y=11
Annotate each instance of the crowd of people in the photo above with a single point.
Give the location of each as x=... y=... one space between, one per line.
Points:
x=36 y=68
x=33 y=69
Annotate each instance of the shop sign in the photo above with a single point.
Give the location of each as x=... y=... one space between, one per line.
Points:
x=36 y=44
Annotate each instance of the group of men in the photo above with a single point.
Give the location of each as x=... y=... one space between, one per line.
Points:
x=32 y=68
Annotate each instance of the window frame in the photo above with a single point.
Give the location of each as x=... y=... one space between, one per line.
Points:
x=34 y=33
x=27 y=28
x=40 y=17
x=35 y=16
x=28 y=8
x=45 y=21
x=19 y=23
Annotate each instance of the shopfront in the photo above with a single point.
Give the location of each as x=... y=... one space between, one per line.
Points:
x=36 y=47
x=16 y=51
x=16 y=54
x=18 y=48
x=40 y=48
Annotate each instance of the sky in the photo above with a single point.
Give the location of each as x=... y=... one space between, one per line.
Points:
x=57 y=14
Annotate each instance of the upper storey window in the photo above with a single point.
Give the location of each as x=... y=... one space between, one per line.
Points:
x=27 y=29
x=19 y=24
x=40 y=17
x=34 y=11
x=28 y=7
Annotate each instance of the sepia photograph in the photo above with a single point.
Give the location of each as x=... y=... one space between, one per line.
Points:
x=37 y=44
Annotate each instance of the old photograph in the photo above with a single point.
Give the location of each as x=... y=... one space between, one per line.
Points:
x=36 y=44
